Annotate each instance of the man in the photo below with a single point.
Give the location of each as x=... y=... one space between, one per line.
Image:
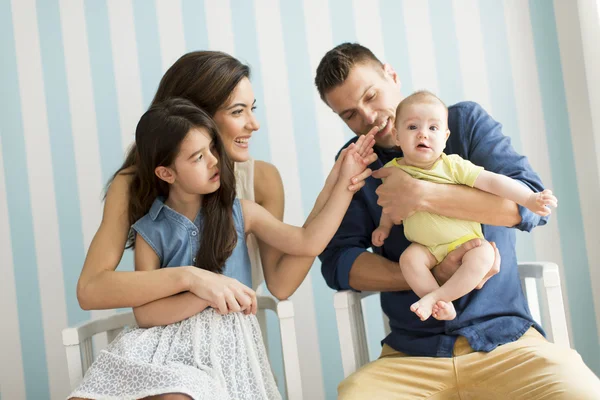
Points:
x=493 y=349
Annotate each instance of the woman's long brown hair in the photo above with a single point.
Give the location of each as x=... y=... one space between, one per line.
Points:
x=158 y=140
x=206 y=79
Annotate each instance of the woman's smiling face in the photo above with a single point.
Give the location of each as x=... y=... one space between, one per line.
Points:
x=236 y=121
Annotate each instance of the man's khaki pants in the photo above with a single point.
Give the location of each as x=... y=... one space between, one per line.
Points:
x=528 y=369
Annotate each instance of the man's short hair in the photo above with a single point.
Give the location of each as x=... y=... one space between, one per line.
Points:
x=335 y=66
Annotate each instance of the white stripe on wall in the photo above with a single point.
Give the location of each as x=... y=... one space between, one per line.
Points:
x=126 y=67
x=283 y=153
x=319 y=41
x=83 y=116
x=170 y=31
x=420 y=45
x=129 y=92
x=218 y=25
x=367 y=22
x=531 y=122
x=12 y=380
x=581 y=121
x=41 y=185
x=471 y=53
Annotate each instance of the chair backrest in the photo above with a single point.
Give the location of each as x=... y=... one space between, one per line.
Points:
x=541 y=285
x=540 y=282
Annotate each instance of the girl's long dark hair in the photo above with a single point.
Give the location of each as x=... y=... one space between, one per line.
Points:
x=158 y=138
x=206 y=78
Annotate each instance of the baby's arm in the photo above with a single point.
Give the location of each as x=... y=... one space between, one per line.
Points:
x=508 y=188
x=382 y=231
x=169 y=309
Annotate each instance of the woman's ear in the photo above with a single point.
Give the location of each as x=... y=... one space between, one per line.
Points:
x=165 y=173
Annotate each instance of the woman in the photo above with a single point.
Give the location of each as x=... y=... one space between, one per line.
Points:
x=219 y=84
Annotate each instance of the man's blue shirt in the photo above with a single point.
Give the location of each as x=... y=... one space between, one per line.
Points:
x=489 y=317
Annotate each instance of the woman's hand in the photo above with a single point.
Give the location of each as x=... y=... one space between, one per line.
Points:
x=223 y=293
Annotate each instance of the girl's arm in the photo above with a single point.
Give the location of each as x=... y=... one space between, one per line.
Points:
x=101 y=287
x=510 y=189
x=167 y=310
x=284 y=273
x=312 y=239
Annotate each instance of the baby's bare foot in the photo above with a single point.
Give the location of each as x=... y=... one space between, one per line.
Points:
x=423 y=307
x=443 y=311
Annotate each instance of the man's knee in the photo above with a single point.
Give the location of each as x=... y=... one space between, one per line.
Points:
x=567 y=376
x=350 y=388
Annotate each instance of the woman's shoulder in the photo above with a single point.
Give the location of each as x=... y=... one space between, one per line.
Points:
x=120 y=182
x=266 y=180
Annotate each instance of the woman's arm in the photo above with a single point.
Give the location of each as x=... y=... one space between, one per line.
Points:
x=100 y=286
x=167 y=310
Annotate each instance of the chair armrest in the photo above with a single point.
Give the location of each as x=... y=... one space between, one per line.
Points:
x=79 y=333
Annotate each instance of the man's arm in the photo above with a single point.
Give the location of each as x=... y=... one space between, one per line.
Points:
x=346 y=263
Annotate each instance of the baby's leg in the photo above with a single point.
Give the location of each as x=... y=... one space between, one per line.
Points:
x=416 y=263
x=475 y=264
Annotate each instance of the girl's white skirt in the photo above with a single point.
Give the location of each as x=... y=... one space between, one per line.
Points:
x=207 y=356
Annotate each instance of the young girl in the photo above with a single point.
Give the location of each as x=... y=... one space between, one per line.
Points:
x=421 y=133
x=189 y=348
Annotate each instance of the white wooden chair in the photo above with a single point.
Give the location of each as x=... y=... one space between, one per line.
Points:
x=544 y=299
x=78 y=341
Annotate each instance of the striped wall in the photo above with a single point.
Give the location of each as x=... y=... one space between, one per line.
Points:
x=76 y=75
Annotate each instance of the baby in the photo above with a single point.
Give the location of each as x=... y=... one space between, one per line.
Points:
x=421 y=133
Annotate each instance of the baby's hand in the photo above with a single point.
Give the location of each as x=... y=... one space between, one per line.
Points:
x=379 y=236
x=540 y=203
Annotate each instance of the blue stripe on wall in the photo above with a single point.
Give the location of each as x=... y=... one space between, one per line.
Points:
x=445 y=43
x=104 y=87
x=148 y=47
x=502 y=96
x=341 y=16
x=395 y=42
x=63 y=156
x=246 y=50
x=194 y=25
x=20 y=218
x=301 y=87
x=577 y=274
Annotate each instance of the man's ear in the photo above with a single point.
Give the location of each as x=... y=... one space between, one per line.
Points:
x=165 y=173
x=447 y=133
x=389 y=70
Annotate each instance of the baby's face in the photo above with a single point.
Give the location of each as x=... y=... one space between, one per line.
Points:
x=421 y=133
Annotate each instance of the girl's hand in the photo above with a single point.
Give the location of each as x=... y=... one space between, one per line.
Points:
x=224 y=294
x=364 y=148
x=539 y=202
x=357 y=158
